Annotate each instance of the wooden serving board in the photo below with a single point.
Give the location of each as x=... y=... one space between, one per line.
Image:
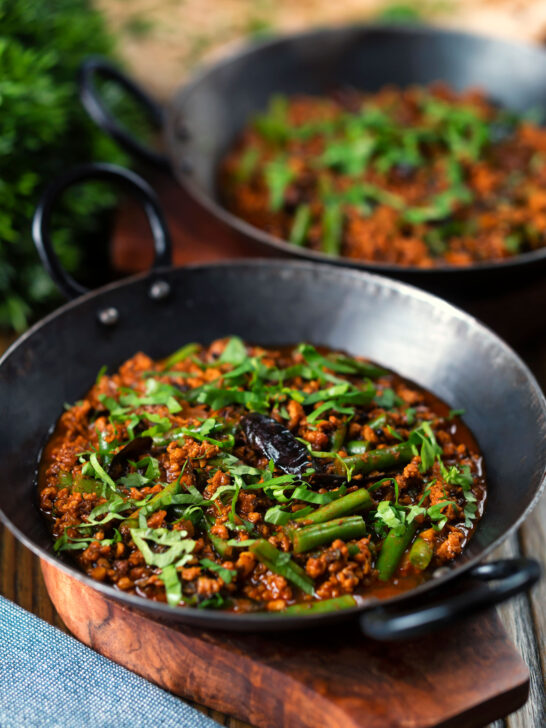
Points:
x=467 y=675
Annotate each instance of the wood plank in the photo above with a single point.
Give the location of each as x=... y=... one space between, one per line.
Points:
x=305 y=679
x=533 y=533
x=533 y=542
x=517 y=619
x=7 y=564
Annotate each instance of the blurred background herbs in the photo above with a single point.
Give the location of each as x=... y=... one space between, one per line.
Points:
x=43 y=130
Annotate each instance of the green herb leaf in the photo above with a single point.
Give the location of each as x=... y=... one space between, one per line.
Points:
x=273 y=125
x=278 y=176
x=391 y=516
x=177 y=548
x=171 y=582
x=455 y=413
x=234 y=353
x=247 y=164
x=100 y=472
x=134 y=480
x=227 y=575
x=388 y=399
x=102 y=371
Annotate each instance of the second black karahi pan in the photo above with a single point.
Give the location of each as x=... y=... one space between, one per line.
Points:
x=279 y=302
x=204 y=117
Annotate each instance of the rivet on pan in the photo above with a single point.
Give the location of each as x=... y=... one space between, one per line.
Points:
x=159 y=290
x=108 y=316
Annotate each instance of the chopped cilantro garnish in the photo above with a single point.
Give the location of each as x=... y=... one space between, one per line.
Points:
x=226 y=575
x=388 y=399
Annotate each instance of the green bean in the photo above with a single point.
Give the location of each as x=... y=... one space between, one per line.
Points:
x=332 y=226
x=392 y=549
x=301 y=224
x=281 y=563
x=379 y=422
x=310 y=537
x=339 y=438
x=181 y=354
x=247 y=164
x=421 y=553
x=388 y=457
x=357 y=447
x=325 y=605
x=358 y=500
x=364 y=368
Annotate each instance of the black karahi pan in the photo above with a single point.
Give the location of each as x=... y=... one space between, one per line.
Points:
x=204 y=117
x=279 y=302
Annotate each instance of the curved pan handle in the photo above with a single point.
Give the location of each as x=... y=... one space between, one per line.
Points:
x=101 y=115
x=85 y=172
x=512 y=576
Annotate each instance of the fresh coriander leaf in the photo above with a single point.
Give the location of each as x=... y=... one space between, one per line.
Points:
x=100 y=472
x=277 y=516
x=227 y=575
x=234 y=353
x=391 y=516
x=217 y=601
x=102 y=371
x=469 y=513
x=183 y=353
x=177 y=548
x=388 y=399
x=455 y=413
x=410 y=415
x=134 y=480
x=171 y=582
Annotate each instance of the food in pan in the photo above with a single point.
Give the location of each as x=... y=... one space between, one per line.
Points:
x=420 y=177
x=233 y=476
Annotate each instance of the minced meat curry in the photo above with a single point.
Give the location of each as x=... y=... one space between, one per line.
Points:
x=424 y=176
x=232 y=476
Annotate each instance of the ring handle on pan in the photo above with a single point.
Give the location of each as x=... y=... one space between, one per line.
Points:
x=138 y=187
x=103 y=117
x=511 y=577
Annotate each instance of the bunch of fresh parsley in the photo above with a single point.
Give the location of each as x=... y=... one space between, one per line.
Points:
x=44 y=130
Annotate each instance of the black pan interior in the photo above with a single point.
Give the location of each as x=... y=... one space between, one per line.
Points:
x=421 y=337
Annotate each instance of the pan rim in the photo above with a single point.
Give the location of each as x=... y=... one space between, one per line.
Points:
x=263 y=620
x=184 y=174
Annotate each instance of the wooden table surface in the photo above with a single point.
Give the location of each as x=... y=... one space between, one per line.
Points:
x=524 y=617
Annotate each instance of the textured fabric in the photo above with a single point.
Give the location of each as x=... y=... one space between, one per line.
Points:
x=50 y=680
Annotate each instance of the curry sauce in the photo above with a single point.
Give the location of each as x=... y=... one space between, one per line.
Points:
x=246 y=478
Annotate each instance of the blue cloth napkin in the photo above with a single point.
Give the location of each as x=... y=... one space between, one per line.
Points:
x=50 y=680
